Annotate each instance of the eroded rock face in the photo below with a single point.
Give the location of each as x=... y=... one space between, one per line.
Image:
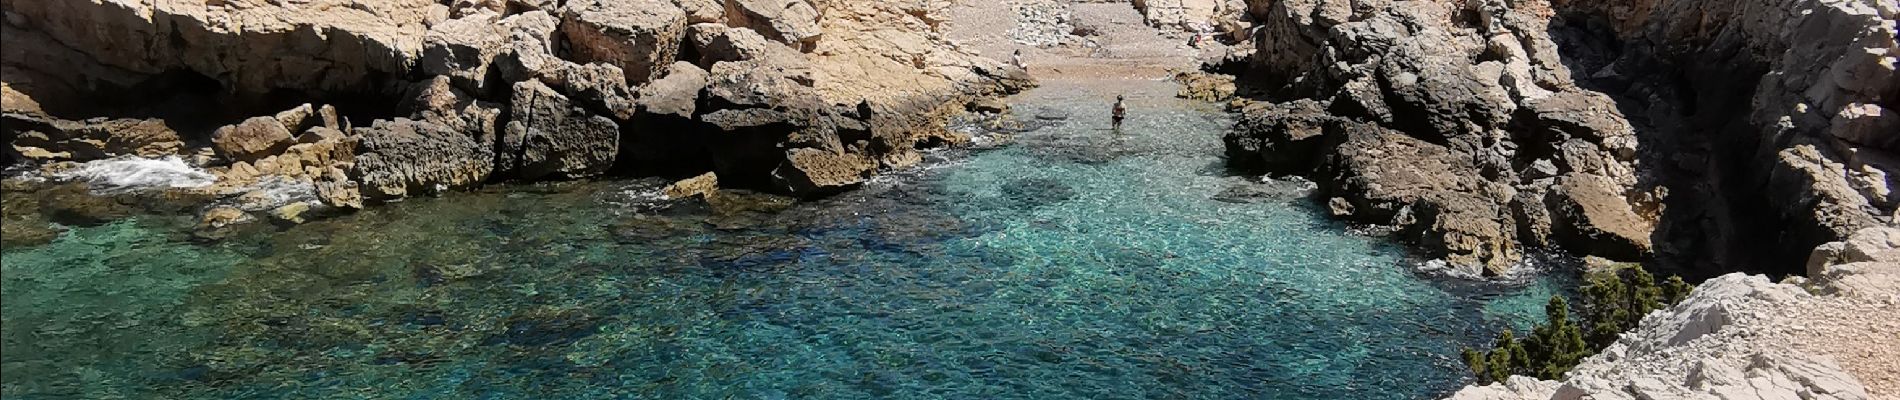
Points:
x=1544 y=126
x=793 y=22
x=548 y=137
x=791 y=96
x=252 y=139
x=52 y=139
x=400 y=158
x=639 y=36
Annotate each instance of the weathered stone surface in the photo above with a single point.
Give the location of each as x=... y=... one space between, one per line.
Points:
x=813 y=171
x=547 y=136
x=702 y=185
x=438 y=102
x=1592 y=212
x=703 y=11
x=1280 y=138
x=304 y=117
x=463 y=49
x=717 y=43
x=676 y=94
x=1438 y=199
x=640 y=37
x=400 y=158
x=252 y=139
x=51 y=139
x=793 y=22
x=325 y=45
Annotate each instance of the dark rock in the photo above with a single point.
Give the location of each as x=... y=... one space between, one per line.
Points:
x=1279 y=138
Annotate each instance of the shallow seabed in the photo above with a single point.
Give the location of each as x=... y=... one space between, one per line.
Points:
x=1077 y=262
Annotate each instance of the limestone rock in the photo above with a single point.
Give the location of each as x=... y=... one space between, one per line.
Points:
x=1592 y=213
x=463 y=49
x=253 y=139
x=702 y=185
x=815 y=171
x=252 y=50
x=304 y=117
x=1423 y=189
x=793 y=22
x=1279 y=138
x=717 y=43
x=548 y=137
x=703 y=11
x=401 y=158
x=676 y=94
x=215 y=222
x=52 y=139
x=639 y=36
x=438 y=102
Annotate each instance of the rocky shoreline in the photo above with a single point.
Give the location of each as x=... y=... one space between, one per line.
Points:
x=1700 y=138
x=1705 y=137
x=367 y=102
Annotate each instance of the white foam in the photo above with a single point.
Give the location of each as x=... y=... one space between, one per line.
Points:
x=129 y=174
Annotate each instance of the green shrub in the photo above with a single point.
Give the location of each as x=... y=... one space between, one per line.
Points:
x=1613 y=302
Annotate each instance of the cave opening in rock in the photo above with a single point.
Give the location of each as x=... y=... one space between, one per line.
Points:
x=1691 y=121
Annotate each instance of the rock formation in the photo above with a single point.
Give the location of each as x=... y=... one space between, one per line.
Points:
x=800 y=97
x=1684 y=131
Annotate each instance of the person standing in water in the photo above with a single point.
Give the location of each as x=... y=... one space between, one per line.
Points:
x=1121 y=110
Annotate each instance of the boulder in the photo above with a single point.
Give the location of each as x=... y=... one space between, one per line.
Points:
x=464 y=48
x=253 y=139
x=402 y=157
x=1436 y=198
x=1279 y=138
x=810 y=171
x=793 y=22
x=639 y=36
x=307 y=116
x=1591 y=214
x=703 y=11
x=702 y=185
x=718 y=43
x=437 y=101
x=547 y=136
x=676 y=94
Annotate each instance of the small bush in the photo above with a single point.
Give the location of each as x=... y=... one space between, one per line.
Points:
x=1613 y=302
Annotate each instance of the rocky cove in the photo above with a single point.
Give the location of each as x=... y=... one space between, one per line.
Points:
x=831 y=199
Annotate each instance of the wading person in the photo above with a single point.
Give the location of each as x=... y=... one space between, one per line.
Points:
x=1121 y=110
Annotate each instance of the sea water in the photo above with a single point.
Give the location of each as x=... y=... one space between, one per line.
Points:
x=1075 y=262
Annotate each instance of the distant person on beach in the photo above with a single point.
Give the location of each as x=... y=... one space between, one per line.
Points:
x=1018 y=59
x=1121 y=110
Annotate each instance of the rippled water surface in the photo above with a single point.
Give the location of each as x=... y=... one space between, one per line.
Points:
x=1076 y=262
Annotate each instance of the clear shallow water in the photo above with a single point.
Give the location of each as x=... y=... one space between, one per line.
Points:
x=1075 y=263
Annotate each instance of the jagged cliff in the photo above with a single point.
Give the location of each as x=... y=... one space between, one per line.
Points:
x=367 y=101
x=1707 y=136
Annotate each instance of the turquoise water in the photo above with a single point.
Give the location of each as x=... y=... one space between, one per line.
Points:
x=1076 y=262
